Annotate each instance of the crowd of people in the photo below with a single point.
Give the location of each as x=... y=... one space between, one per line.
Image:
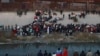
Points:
x=93 y=12
x=39 y=25
x=59 y=52
x=20 y=12
x=38 y=29
x=65 y=52
x=73 y=16
x=45 y=22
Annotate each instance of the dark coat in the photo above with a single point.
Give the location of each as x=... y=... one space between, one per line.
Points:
x=40 y=54
x=82 y=53
x=76 y=54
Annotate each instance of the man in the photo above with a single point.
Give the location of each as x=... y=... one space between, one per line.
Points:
x=40 y=53
x=25 y=11
x=82 y=53
x=89 y=53
x=19 y=12
x=61 y=11
x=76 y=53
x=54 y=54
x=97 y=53
x=48 y=30
x=37 y=31
x=59 y=52
x=45 y=53
x=6 y=54
x=69 y=16
x=65 y=52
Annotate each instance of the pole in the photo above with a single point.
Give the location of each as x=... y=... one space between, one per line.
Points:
x=87 y=5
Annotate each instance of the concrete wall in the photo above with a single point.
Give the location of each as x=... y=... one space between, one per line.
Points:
x=34 y=4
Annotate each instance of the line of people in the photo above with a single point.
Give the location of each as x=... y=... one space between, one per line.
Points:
x=92 y=12
x=38 y=29
x=59 y=52
x=65 y=52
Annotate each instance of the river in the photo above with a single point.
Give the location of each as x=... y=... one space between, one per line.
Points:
x=32 y=49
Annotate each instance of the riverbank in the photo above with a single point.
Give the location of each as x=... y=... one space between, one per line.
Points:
x=12 y=19
x=54 y=38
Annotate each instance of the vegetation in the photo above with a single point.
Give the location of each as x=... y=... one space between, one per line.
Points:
x=7 y=36
x=86 y=37
x=51 y=38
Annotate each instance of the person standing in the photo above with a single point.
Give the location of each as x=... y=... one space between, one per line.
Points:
x=75 y=53
x=6 y=54
x=61 y=11
x=65 y=52
x=49 y=54
x=48 y=30
x=59 y=52
x=37 y=31
x=54 y=54
x=69 y=16
x=45 y=53
x=82 y=53
x=89 y=53
x=97 y=53
x=40 y=53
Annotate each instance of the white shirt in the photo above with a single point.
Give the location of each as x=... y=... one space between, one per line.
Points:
x=53 y=54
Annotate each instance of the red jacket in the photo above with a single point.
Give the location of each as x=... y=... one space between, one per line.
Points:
x=37 y=29
x=65 y=52
x=35 y=17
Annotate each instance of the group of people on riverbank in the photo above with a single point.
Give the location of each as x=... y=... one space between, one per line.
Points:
x=74 y=16
x=65 y=52
x=45 y=22
x=59 y=52
x=38 y=29
x=39 y=24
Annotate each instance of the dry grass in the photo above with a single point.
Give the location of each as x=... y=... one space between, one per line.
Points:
x=4 y=36
x=55 y=37
x=86 y=37
x=27 y=38
x=51 y=38
x=2 y=39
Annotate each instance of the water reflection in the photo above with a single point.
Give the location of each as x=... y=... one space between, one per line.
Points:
x=32 y=49
x=8 y=46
